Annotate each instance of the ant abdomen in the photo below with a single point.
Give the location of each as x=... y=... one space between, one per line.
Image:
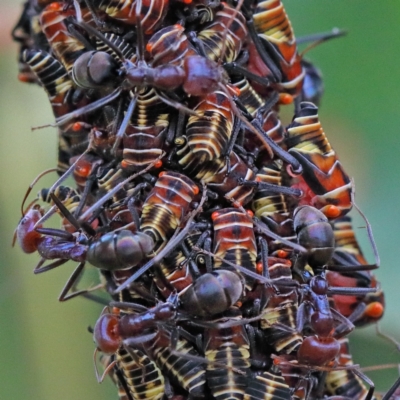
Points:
x=315 y=234
x=319 y=351
x=95 y=69
x=212 y=293
x=119 y=250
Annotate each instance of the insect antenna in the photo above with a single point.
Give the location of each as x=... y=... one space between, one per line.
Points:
x=369 y=228
x=319 y=38
x=101 y=378
x=23 y=212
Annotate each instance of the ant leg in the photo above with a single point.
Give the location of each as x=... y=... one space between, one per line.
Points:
x=88 y=109
x=198 y=44
x=94 y=207
x=261 y=227
x=134 y=213
x=72 y=283
x=366 y=380
x=234 y=67
x=74 y=222
x=269 y=103
x=346 y=326
x=207 y=247
x=129 y=306
x=86 y=191
x=303 y=315
x=171 y=130
x=93 y=11
x=39 y=269
x=357 y=313
x=387 y=337
x=125 y=122
x=251 y=334
x=174 y=242
x=243 y=58
x=181 y=332
x=168 y=390
x=391 y=391
x=56 y=232
x=232 y=140
x=194 y=270
x=71 y=27
x=265 y=272
x=119 y=117
x=263 y=47
x=318 y=38
x=199 y=243
x=271 y=187
x=175 y=104
x=282 y=154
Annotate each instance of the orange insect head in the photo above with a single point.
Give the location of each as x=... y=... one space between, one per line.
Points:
x=282 y=253
x=158 y=164
x=23 y=78
x=285 y=98
x=55 y=6
x=196 y=190
x=374 y=310
x=259 y=268
x=332 y=211
x=77 y=126
x=215 y=215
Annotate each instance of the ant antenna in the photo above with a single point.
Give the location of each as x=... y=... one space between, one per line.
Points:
x=106 y=371
x=139 y=32
x=369 y=228
x=387 y=337
x=31 y=187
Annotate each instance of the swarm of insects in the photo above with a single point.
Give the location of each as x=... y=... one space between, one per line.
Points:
x=221 y=236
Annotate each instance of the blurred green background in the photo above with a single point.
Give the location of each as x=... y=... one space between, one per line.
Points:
x=45 y=350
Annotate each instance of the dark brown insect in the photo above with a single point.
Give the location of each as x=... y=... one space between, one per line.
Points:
x=116 y=334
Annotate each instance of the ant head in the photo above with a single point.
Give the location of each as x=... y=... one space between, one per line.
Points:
x=27 y=236
x=105 y=334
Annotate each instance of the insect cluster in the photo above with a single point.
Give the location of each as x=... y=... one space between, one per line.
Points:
x=220 y=235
